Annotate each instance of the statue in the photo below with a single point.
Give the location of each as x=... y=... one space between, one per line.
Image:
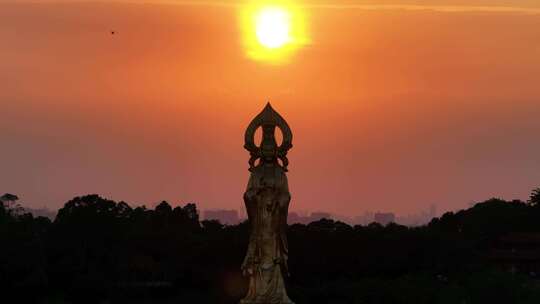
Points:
x=267 y=202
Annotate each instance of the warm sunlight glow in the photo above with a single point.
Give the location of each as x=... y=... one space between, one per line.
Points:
x=273 y=30
x=273 y=26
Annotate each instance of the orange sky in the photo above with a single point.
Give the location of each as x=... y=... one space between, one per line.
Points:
x=392 y=109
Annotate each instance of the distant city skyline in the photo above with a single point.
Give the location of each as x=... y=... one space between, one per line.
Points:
x=235 y=216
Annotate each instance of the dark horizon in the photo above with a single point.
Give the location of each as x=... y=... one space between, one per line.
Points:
x=420 y=218
x=100 y=251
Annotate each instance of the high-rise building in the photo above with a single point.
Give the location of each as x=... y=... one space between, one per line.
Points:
x=385 y=218
x=227 y=217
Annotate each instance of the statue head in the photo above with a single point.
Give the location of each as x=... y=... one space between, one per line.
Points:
x=268 y=148
x=268 y=152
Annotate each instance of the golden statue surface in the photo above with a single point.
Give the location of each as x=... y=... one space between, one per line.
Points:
x=267 y=200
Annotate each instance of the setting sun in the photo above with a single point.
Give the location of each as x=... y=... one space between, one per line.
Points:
x=273 y=26
x=273 y=30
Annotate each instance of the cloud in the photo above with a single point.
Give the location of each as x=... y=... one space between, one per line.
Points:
x=438 y=8
x=327 y=5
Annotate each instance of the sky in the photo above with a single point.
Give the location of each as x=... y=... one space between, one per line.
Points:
x=394 y=105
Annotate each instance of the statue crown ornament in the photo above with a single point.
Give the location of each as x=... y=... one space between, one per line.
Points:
x=268 y=152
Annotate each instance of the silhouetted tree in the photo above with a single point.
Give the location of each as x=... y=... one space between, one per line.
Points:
x=7 y=197
x=97 y=249
x=212 y=226
x=535 y=197
x=10 y=205
x=164 y=209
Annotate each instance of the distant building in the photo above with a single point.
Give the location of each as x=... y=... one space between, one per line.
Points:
x=227 y=217
x=385 y=218
x=364 y=219
x=432 y=211
x=303 y=218
x=344 y=219
x=43 y=212
x=295 y=218
x=317 y=216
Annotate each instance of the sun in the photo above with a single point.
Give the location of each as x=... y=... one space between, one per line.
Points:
x=273 y=30
x=273 y=25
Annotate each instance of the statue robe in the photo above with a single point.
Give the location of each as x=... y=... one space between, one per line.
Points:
x=267 y=201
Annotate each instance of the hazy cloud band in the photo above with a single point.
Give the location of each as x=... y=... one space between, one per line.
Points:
x=407 y=7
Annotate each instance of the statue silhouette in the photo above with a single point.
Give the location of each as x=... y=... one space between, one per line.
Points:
x=267 y=202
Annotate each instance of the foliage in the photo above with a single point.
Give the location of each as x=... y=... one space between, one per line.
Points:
x=98 y=250
x=535 y=197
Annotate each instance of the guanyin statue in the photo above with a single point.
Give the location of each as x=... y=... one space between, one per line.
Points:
x=267 y=202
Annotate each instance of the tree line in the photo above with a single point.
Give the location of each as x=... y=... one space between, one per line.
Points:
x=97 y=250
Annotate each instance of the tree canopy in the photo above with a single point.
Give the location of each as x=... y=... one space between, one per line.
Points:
x=97 y=249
